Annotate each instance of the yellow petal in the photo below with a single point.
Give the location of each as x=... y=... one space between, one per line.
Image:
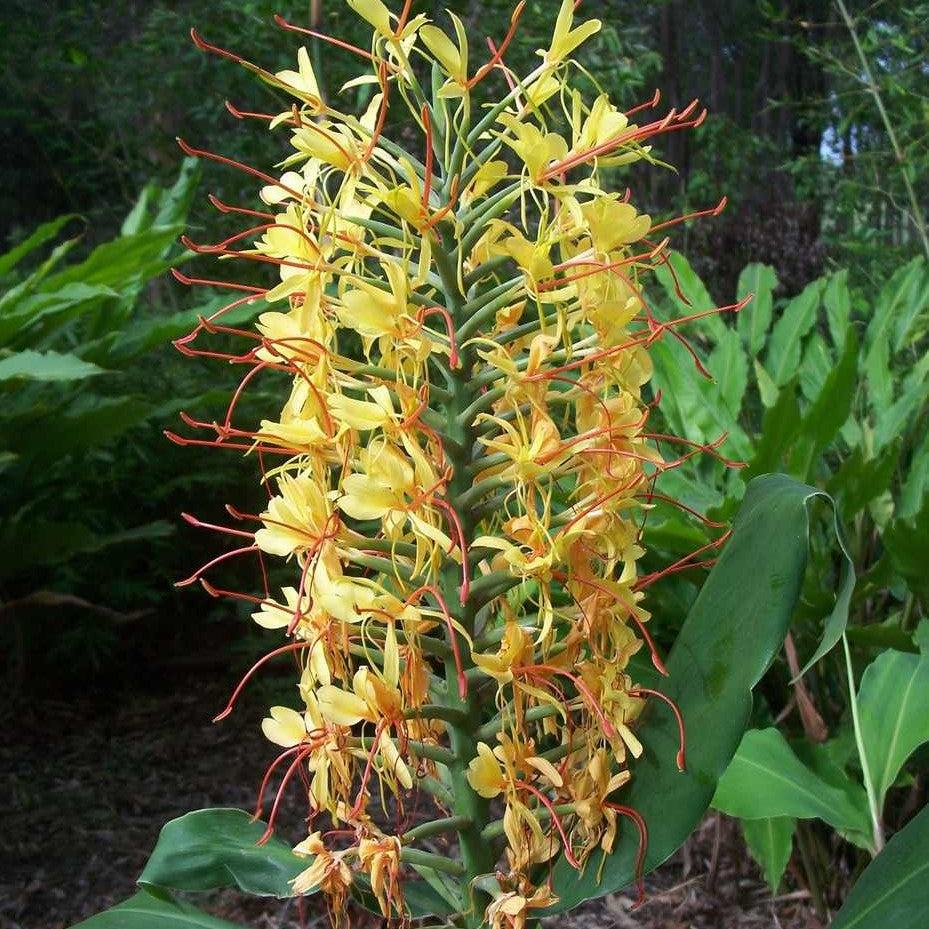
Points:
x=285 y=727
x=484 y=772
x=341 y=707
x=375 y=13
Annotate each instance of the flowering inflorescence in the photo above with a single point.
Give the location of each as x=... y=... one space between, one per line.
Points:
x=461 y=498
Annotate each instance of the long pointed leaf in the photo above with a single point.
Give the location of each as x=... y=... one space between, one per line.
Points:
x=894 y=889
x=148 y=910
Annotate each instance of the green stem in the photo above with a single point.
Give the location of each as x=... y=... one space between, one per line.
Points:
x=421 y=749
x=416 y=856
x=436 y=827
x=873 y=803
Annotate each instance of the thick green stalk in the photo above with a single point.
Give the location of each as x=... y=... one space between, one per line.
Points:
x=476 y=854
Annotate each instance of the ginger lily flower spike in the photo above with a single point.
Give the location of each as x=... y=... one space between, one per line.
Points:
x=459 y=470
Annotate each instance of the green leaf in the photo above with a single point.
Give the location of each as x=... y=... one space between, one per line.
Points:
x=784 y=347
x=894 y=889
x=916 y=487
x=729 y=367
x=37 y=238
x=893 y=703
x=51 y=309
x=779 y=427
x=896 y=298
x=910 y=313
x=155 y=911
x=770 y=841
x=755 y=319
x=731 y=635
x=767 y=389
x=838 y=303
x=907 y=408
x=215 y=848
x=829 y=411
x=46 y=366
x=907 y=542
x=766 y=780
x=692 y=404
x=859 y=481
x=817 y=362
x=129 y=258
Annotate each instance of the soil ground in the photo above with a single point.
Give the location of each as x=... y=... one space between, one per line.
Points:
x=87 y=783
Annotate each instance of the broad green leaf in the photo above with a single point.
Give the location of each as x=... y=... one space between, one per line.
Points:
x=907 y=542
x=894 y=889
x=893 y=702
x=209 y=849
x=770 y=841
x=114 y=263
x=35 y=240
x=155 y=911
x=694 y=292
x=46 y=366
x=729 y=367
x=766 y=780
x=731 y=635
x=912 y=311
x=896 y=297
x=859 y=481
x=909 y=407
x=176 y=201
x=755 y=319
x=214 y=848
x=138 y=219
x=779 y=427
x=797 y=318
x=916 y=486
x=829 y=411
x=838 y=303
x=18 y=323
x=817 y=362
x=767 y=389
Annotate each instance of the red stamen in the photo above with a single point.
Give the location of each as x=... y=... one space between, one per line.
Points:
x=636 y=817
x=193 y=521
x=322 y=36
x=290 y=647
x=497 y=53
x=224 y=557
x=280 y=793
x=583 y=689
x=637 y=691
x=556 y=819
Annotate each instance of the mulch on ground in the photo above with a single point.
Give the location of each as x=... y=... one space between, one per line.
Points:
x=87 y=784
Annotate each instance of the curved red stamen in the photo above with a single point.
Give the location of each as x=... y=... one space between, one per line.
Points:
x=224 y=557
x=636 y=817
x=637 y=691
x=290 y=647
x=582 y=688
x=556 y=819
x=288 y=774
x=497 y=53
